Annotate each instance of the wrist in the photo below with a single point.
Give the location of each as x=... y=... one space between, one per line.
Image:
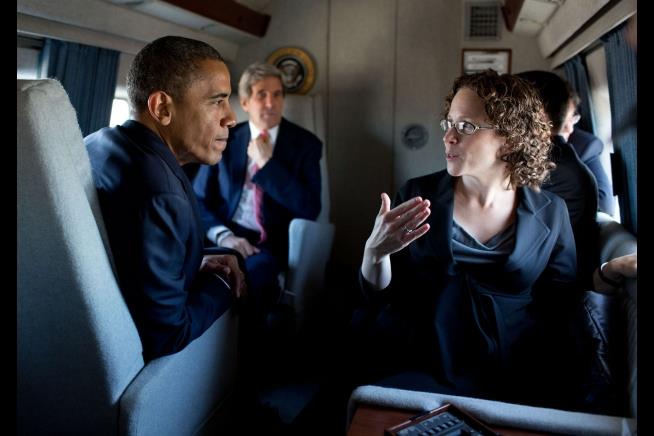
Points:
x=220 y=237
x=372 y=258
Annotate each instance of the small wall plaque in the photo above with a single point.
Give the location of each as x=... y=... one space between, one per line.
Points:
x=414 y=136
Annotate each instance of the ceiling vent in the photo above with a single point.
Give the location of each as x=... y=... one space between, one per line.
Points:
x=482 y=20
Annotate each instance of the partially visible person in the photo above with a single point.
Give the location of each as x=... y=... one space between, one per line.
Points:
x=571 y=179
x=179 y=101
x=483 y=261
x=589 y=149
x=269 y=174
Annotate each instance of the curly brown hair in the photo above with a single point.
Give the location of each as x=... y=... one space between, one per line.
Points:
x=514 y=108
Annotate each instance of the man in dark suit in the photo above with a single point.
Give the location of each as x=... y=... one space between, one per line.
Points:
x=589 y=148
x=269 y=175
x=179 y=99
x=571 y=179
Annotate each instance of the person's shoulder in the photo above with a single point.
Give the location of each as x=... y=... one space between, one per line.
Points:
x=429 y=179
x=585 y=143
x=421 y=185
x=299 y=131
x=544 y=202
x=239 y=130
x=104 y=137
x=581 y=136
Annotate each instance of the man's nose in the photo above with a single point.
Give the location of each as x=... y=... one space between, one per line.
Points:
x=229 y=120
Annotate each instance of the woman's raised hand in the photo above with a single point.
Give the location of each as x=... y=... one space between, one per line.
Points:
x=396 y=228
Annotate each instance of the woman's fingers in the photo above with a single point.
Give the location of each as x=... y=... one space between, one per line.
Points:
x=403 y=208
x=412 y=217
x=385 y=204
x=418 y=219
x=410 y=236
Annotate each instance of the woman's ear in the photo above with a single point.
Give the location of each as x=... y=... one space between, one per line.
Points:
x=160 y=107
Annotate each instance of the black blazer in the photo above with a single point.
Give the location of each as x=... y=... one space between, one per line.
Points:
x=156 y=237
x=473 y=325
x=290 y=181
x=575 y=184
x=589 y=148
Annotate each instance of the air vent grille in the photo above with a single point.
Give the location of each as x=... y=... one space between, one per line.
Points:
x=482 y=20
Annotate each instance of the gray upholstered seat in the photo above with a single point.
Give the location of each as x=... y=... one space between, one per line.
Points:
x=80 y=364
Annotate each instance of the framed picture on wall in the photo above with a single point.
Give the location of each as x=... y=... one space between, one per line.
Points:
x=477 y=59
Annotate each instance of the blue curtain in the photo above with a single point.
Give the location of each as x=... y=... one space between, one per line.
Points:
x=577 y=75
x=88 y=74
x=622 y=78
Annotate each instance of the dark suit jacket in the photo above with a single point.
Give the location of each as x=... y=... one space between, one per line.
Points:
x=290 y=181
x=156 y=237
x=574 y=183
x=480 y=327
x=589 y=148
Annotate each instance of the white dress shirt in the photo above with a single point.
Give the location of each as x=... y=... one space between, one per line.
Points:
x=245 y=211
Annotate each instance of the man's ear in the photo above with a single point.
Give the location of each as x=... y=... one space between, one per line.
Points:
x=160 y=107
x=244 y=104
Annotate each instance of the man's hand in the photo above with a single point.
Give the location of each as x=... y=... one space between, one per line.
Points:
x=241 y=245
x=606 y=280
x=260 y=149
x=226 y=266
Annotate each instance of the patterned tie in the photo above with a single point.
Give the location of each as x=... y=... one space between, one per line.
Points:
x=258 y=200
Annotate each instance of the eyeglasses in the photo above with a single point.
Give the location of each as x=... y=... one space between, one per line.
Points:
x=463 y=127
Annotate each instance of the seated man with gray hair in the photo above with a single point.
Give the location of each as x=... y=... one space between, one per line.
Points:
x=269 y=175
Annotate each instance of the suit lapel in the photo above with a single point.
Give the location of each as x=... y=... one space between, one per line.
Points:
x=235 y=164
x=283 y=140
x=147 y=138
x=439 y=238
x=529 y=221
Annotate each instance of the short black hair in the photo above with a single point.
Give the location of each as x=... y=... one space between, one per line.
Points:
x=166 y=64
x=554 y=92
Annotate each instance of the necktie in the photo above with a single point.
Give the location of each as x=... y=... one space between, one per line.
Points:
x=258 y=200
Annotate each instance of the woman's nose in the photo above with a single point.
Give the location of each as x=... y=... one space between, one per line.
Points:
x=450 y=135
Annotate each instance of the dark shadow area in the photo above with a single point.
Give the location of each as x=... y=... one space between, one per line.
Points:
x=298 y=383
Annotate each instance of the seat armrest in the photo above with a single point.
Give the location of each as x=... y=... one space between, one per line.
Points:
x=616 y=241
x=309 y=248
x=174 y=394
x=495 y=412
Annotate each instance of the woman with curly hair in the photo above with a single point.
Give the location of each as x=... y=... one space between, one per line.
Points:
x=483 y=261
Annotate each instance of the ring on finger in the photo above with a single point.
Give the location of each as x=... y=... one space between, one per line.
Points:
x=408 y=230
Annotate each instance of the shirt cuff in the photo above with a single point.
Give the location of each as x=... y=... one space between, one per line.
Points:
x=218 y=233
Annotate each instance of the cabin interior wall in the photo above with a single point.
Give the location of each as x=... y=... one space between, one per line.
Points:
x=362 y=37
x=292 y=24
